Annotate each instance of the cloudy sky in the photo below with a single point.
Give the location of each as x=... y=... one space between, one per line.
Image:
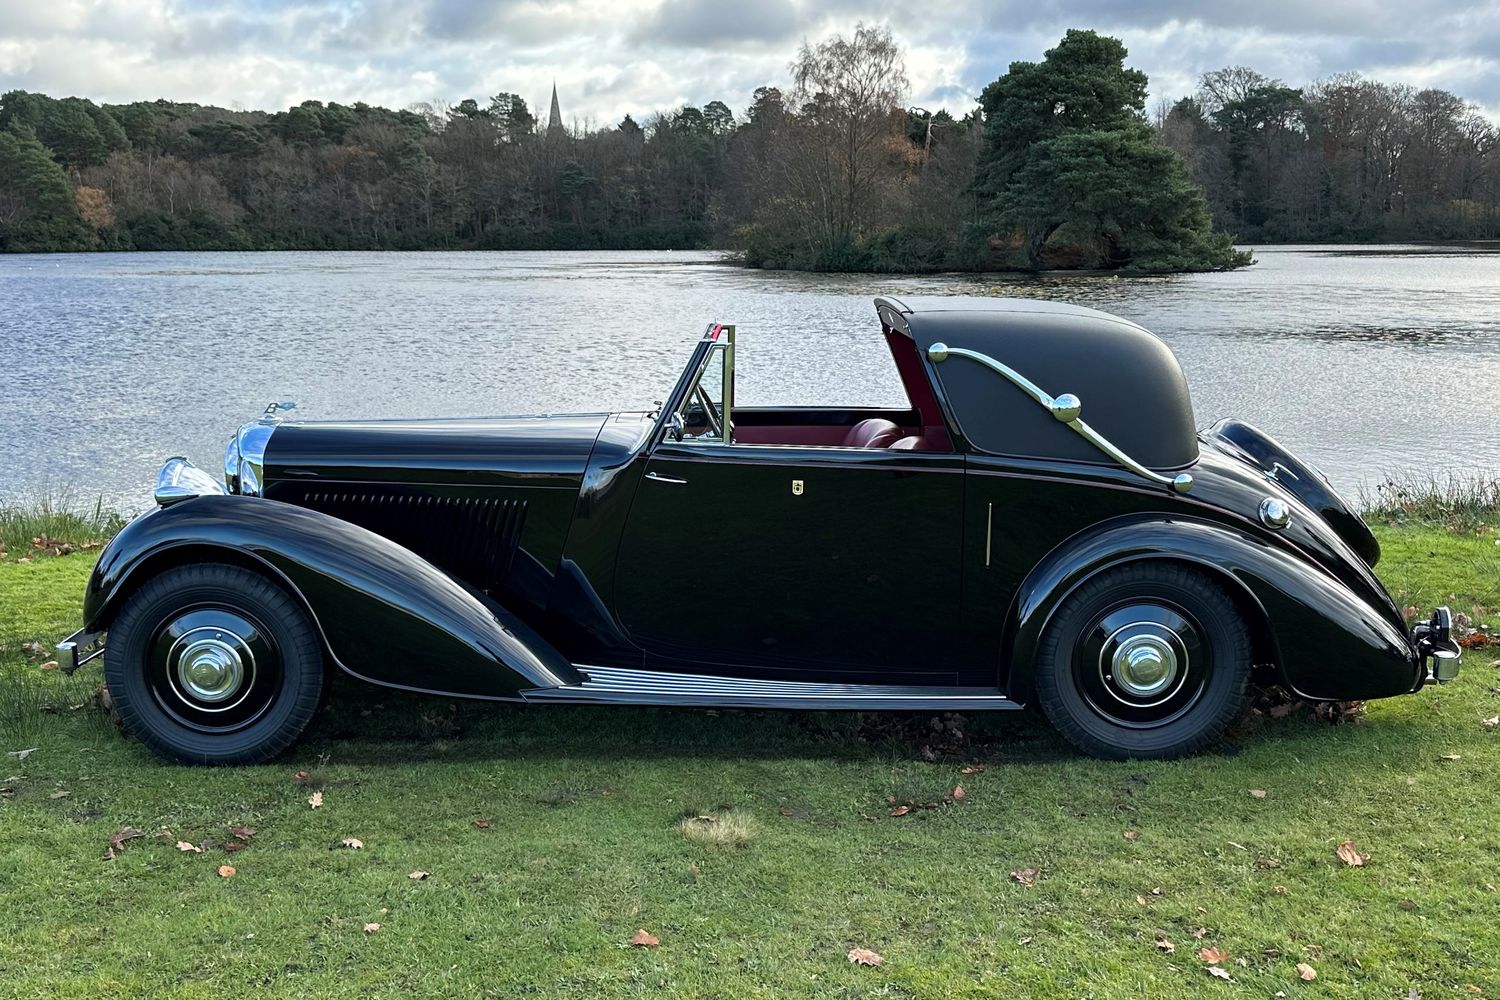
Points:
x=610 y=57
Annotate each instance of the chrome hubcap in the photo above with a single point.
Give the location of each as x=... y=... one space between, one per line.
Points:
x=211 y=667
x=1144 y=665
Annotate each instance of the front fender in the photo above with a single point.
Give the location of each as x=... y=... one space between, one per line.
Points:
x=386 y=615
x=1327 y=641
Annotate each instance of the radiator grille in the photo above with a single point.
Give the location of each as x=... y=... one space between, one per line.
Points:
x=475 y=538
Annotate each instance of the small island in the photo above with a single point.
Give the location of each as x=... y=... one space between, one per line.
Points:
x=1059 y=166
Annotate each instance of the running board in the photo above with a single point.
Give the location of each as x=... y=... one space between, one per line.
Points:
x=623 y=686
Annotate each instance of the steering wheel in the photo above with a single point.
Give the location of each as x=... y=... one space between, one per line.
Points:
x=710 y=412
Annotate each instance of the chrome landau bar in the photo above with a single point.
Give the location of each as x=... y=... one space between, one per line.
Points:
x=1066 y=409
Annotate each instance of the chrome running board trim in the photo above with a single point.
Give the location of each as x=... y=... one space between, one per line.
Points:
x=624 y=686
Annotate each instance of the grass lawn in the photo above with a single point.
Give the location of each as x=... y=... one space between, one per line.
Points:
x=551 y=835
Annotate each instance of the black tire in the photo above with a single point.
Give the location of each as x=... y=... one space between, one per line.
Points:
x=214 y=664
x=1149 y=660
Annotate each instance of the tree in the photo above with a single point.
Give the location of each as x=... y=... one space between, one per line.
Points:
x=37 y=211
x=1067 y=145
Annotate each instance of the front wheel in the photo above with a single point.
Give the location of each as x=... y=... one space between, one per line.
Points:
x=1148 y=660
x=214 y=664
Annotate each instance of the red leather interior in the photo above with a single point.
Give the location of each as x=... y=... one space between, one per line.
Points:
x=912 y=442
x=874 y=432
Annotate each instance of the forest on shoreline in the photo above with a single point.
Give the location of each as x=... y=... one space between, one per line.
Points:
x=1059 y=165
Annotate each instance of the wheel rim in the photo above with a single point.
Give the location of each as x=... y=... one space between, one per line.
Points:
x=213 y=669
x=1142 y=664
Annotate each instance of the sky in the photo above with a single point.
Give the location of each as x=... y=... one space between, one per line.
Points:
x=610 y=57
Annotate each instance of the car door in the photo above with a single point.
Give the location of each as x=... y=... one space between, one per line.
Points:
x=798 y=562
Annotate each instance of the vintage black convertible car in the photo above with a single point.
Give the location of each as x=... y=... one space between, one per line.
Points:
x=989 y=546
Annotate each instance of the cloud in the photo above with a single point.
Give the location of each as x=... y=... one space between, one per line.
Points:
x=610 y=57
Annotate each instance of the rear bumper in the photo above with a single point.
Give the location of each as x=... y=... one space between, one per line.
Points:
x=1439 y=651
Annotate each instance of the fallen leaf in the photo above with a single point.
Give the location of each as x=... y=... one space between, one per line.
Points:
x=23 y=754
x=693 y=867
x=300 y=778
x=1258 y=793
x=184 y=846
x=864 y=956
x=1200 y=933
x=371 y=928
x=1162 y=944
x=1450 y=756
x=60 y=794
x=315 y=800
x=644 y=939
x=1213 y=956
x=1491 y=722
x=958 y=794
x=867 y=817
x=900 y=810
x=1349 y=855
x=1278 y=890
x=481 y=824
x=787 y=810
x=353 y=843
x=1026 y=876
x=1306 y=973
x=417 y=875
x=974 y=769
x=1132 y=835
x=233 y=846
x=1025 y=941
x=226 y=871
x=1142 y=900
x=1156 y=891
x=241 y=832
x=128 y=833
x=1268 y=863
x=49 y=665
x=1214 y=970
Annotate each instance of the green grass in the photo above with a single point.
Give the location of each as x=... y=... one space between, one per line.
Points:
x=55 y=522
x=585 y=843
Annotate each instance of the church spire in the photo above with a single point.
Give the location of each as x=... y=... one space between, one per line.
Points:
x=554 y=118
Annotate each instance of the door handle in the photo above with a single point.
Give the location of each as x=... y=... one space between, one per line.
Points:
x=659 y=478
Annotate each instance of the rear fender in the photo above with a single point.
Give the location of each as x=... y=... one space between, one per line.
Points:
x=1326 y=641
x=386 y=615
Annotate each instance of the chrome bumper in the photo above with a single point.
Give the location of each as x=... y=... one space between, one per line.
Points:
x=79 y=648
x=1435 y=644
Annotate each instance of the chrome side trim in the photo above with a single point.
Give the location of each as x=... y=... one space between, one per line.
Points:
x=180 y=479
x=618 y=685
x=1066 y=408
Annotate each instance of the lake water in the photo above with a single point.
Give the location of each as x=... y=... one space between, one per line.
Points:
x=1370 y=362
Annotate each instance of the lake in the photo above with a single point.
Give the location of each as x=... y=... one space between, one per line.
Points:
x=1369 y=361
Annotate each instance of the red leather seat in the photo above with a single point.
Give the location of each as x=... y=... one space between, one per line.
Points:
x=912 y=442
x=875 y=432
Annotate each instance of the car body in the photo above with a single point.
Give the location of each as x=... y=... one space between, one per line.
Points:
x=989 y=546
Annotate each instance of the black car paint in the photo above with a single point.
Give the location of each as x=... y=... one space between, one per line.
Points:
x=973 y=550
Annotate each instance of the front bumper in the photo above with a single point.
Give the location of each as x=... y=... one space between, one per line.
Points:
x=79 y=648
x=1439 y=651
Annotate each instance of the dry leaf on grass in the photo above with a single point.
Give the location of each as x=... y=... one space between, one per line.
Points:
x=1306 y=973
x=418 y=875
x=22 y=754
x=241 y=832
x=1450 y=756
x=693 y=867
x=1223 y=974
x=1213 y=956
x=226 y=871
x=353 y=843
x=1200 y=933
x=974 y=769
x=1026 y=876
x=300 y=778
x=1162 y=944
x=233 y=846
x=128 y=833
x=1491 y=722
x=371 y=928
x=643 y=938
x=1258 y=793
x=49 y=665
x=900 y=810
x=1132 y=835
x=1141 y=900
x=184 y=846
x=1349 y=855
x=59 y=794
x=864 y=956
x=481 y=824
x=958 y=794
x=315 y=800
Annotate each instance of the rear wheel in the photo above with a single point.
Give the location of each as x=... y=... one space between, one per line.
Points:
x=1147 y=660
x=214 y=664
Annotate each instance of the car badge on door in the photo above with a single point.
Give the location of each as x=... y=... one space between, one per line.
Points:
x=796 y=487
